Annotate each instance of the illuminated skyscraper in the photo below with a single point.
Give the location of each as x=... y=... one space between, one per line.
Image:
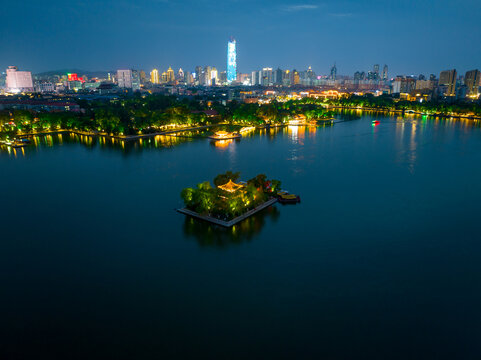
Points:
x=214 y=77
x=170 y=75
x=207 y=78
x=231 y=61
x=154 y=76
x=164 y=78
x=180 y=75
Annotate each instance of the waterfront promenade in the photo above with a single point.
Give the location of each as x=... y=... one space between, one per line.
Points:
x=120 y=137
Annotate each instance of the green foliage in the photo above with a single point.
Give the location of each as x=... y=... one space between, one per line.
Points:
x=259 y=181
x=222 y=179
x=224 y=205
x=154 y=113
x=275 y=186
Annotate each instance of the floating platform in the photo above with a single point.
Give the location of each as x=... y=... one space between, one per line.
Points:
x=231 y=222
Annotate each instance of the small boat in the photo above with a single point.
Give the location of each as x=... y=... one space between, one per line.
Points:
x=247 y=129
x=224 y=135
x=16 y=144
x=288 y=198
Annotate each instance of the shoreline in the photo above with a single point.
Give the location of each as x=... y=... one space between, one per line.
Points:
x=119 y=137
x=180 y=130
x=141 y=136
x=406 y=112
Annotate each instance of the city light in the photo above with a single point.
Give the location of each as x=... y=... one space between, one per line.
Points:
x=231 y=61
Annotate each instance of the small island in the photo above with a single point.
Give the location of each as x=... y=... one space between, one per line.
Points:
x=229 y=201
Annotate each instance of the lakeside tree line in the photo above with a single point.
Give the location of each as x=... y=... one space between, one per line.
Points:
x=387 y=102
x=151 y=113
x=144 y=114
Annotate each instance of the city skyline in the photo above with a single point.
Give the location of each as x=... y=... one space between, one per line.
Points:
x=411 y=40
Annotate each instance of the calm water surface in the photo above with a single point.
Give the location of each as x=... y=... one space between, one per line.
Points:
x=381 y=260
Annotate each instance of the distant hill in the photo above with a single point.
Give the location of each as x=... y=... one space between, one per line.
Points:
x=74 y=71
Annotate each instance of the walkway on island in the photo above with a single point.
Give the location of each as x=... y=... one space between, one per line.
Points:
x=231 y=222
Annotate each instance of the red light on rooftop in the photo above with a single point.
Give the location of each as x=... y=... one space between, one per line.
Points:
x=73 y=77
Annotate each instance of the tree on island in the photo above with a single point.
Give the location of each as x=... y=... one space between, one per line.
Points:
x=222 y=179
x=226 y=203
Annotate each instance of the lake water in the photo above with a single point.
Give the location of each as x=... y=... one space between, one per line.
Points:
x=381 y=260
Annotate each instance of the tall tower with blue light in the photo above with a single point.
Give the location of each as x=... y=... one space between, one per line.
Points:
x=231 y=61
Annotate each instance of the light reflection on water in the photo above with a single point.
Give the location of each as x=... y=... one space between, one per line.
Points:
x=370 y=236
x=408 y=130
x=208 y=235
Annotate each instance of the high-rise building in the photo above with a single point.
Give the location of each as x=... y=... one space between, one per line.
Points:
x=189 y=78
x=45 y=87
x=286 y=78
x=170 y=75
x=472 y=82
x=311 y=75
x=255 y=78
x=207 y=78
x=214 y=77
x=371 y=75
x=359 y=76
x=385 y=73
x=154 y=76
x=128 y=79
x=447 y=80
x=198 y=75
x=164 y=78
x=376 y=70
x=277 y=78
x=333 y=74
x=136 y=80
x=243 y=79
x=142 y=76
x=18 y=81
x=423 y=84
x=223 y=77
x=266 y=77
x=180 y=75
x=231 y=61
x=124 y=79
x=295 y=79
x=403 y=85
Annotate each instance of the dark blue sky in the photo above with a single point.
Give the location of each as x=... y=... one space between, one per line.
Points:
x=412 y=37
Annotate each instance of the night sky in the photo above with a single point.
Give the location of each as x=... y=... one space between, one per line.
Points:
x=412 y=37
